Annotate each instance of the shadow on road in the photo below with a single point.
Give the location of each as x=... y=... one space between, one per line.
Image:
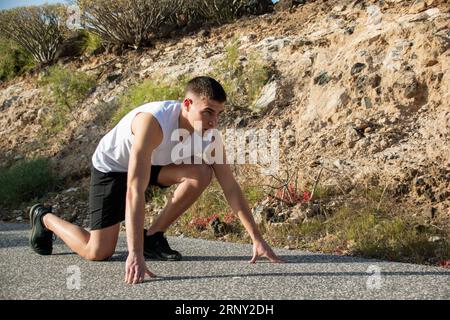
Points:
x=296 y=274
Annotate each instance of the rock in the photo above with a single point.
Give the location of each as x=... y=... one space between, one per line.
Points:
x=361 y=82
x=240 y=122
x=42 y=114
x=262 y=213
x=393 y=58
x=278 y=44
x=112 y=100
x=367 y=102
x=375 y=80
x=374 y=15
x=219 y=228
x=351 y=137
x=204 y=33
x=28 y=117
x=278 y=218
x=417 y=6
x=247 y=38
x=113 y=77
x=337 y=101
x=412 y=89
x=357 y=68
x=349 y=30
x=267 y=97
x=435 y=239
x=430 y=62
x=285 y=123
x=73 y=189
x=322 y=78
x=8 y=102
x=146 y=62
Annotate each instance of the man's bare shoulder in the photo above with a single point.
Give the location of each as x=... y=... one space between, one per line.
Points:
x=145 y=125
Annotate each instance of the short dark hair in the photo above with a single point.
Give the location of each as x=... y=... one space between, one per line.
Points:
x=206 y=87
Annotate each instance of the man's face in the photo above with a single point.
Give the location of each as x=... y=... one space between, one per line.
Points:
x=203 y=110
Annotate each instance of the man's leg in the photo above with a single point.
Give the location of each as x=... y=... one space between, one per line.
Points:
x=94 y=245
x=192 y=179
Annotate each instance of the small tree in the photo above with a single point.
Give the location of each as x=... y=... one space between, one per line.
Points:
x=224 y=11
x=38 y=29
x=129 y=23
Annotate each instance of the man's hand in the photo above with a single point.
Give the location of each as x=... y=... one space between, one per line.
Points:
x=136 y=269
x=262 y=249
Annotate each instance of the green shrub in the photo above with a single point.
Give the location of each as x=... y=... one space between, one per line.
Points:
x=39 y=30
x=25 y=181
x=243 y=83
x=13 y=60
x=68 y=89
x=92 y=42
x=148 y=91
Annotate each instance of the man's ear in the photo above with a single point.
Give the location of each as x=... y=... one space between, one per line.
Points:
x=187 y=103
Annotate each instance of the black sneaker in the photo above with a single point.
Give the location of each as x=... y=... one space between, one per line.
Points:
x=41 y=239
x=157 y=247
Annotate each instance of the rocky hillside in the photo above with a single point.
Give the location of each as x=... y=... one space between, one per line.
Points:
x=358 y=88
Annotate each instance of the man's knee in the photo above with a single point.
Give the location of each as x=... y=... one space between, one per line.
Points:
x=201 y=174
x=98 y=254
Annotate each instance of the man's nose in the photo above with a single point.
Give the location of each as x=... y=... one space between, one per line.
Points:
x=213 y=122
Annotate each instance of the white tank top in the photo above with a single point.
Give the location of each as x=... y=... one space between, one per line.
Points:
x=113 y=151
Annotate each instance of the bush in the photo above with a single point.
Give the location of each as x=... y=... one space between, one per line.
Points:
x=127 y=23
x=136 y=23
x=78 y=43
x=25 y=181
x=224 y=11
x=67 y=89
x=148 y=91
x=38 y=29
x=13 y=60
x=92 y=43
x=243 y=83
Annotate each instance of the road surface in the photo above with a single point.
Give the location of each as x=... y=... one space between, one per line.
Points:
x=209 y=270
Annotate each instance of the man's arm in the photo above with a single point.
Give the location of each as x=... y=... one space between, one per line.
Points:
x=239 y=205
x=147 y=136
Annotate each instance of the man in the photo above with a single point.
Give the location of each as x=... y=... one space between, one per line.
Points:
x=137 y=152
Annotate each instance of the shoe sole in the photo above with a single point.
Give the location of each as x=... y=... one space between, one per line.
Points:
x=33 y=230
x=155 y=257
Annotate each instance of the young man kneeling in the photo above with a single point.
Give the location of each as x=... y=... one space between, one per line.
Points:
x=136 y=153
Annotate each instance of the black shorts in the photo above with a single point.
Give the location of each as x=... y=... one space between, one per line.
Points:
x=107 y=196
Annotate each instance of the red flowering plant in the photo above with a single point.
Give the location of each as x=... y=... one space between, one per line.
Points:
x=201 y=223
x=292 y=194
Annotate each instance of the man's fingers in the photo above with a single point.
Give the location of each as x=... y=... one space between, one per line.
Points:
x=136 y=277
x=253 y=260
x=150 y=274
x=130 y=274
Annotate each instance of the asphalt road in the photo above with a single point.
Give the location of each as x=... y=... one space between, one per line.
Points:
x=210 y=270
